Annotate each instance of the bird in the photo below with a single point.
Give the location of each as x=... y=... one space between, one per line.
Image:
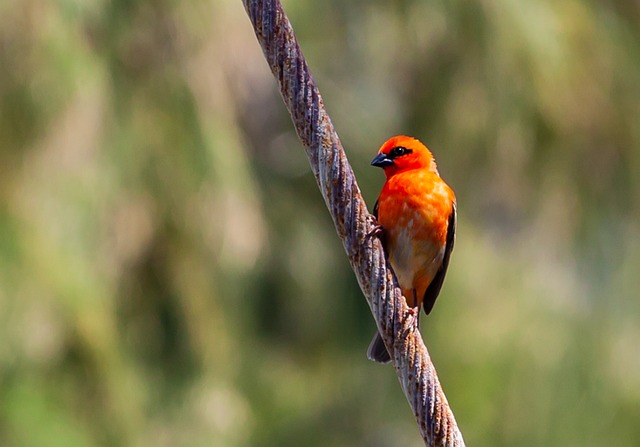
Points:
x=415 y=217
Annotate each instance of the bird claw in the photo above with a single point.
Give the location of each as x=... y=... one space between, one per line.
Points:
x=377 y=230
x=413 y=316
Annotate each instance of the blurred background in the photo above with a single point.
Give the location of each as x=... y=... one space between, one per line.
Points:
x=169 y=275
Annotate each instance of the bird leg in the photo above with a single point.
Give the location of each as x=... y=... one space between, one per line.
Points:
x=414 y=310
x=377 y=230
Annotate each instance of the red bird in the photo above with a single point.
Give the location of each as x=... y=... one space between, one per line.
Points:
x=416 y=213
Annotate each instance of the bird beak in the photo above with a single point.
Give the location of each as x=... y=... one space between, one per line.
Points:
x=381 y=161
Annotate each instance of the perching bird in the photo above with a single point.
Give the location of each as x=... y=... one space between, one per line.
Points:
x=416 y=214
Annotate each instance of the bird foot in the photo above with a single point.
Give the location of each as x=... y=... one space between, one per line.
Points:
x=413 y=316
x=377 y=230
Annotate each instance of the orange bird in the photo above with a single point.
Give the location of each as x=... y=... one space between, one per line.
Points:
x=416 y=214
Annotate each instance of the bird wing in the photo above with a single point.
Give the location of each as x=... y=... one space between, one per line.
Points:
x=433 y=290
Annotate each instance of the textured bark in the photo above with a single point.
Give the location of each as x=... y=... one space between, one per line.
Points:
x=338 y=186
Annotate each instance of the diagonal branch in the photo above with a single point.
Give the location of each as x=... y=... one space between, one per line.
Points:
x=338 y=186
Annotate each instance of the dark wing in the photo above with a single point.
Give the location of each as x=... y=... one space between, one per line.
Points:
x=434 y=288
x=375 y=210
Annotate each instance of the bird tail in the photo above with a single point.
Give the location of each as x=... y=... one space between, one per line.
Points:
x=378 y=351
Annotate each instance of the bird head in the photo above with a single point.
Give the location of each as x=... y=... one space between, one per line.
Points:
x=403 y=153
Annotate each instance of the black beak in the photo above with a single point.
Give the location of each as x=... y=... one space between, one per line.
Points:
x=381 y=161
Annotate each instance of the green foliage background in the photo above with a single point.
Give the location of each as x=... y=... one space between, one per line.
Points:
x=169 y=275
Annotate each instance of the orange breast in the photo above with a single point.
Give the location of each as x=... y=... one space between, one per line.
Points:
x=414 y=209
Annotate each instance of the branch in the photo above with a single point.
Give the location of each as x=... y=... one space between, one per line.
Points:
x=338 y=186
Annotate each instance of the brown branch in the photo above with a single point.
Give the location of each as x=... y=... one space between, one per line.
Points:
x=338 y=186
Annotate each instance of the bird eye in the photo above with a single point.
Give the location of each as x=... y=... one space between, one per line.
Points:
x=399 y=151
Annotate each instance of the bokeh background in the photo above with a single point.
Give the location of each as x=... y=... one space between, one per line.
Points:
x=169 y=275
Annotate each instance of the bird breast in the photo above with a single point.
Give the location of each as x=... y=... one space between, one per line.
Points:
x=413 y=210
